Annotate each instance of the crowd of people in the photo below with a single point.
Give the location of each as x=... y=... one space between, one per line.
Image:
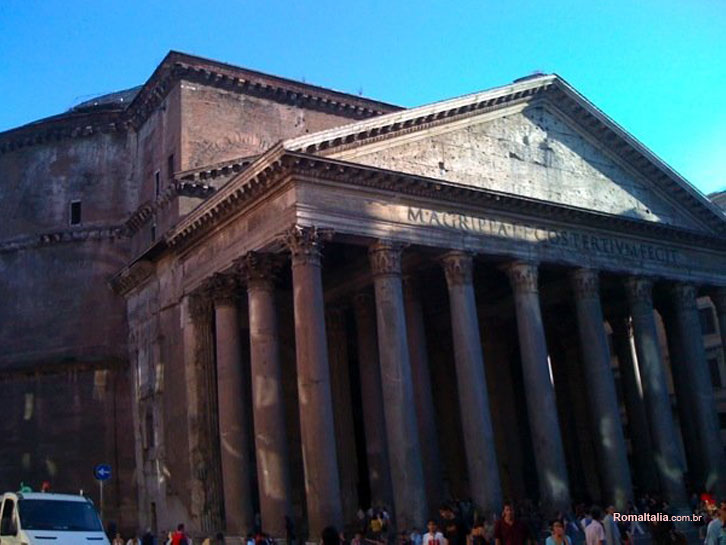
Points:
x=175 y=537
x=461 y=523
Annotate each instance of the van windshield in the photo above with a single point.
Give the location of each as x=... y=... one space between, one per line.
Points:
x=67 y=516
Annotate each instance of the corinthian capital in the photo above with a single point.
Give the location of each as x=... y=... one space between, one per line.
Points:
x=223 y=288
x=200 y=305
x=259 y=269
x=458 y=268
x=523 y=275
x=639 y=290
x=385 y=258
x=305 y=243
x=585 y=283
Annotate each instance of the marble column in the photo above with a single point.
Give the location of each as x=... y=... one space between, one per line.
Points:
x=317 y=425
x=608 y=430
x=233 y=403
x=404 y=450
x=476 y=420
x=718 y=297
x=422 y=392
x=206 y=502
x=343 y=410
x=684 y=397
x=374 y=421
x=645 y=475
x=655 y=391
x=271 y=442
x=691 y=375
x=554 y=488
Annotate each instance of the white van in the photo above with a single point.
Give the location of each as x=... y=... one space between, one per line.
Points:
x=44 y=519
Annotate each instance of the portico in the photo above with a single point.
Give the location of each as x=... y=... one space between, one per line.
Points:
x=403 y=394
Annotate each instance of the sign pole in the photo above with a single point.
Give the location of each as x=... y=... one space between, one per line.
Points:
x=101 y=472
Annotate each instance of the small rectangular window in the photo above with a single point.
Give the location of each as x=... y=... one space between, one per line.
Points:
x=715 y=373
x=157 y=183
x=708 y=324
x=170 y=166
x=150 y=435
x=75 y=213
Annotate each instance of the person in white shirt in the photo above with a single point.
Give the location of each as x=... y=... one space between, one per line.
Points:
x=595 y=533
x=433 y=536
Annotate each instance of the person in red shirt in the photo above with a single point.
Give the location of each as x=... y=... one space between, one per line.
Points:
x=180 y=537
x=510 y=531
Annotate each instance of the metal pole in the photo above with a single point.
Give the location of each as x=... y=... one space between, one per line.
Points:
x=101 y=502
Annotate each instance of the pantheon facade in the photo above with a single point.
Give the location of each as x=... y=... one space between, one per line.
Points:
x=321 y=302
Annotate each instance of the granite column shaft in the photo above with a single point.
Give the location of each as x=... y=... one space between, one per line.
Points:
x=271 y=443
x=552 y=475
x=404 y=452
x=655 y=391
x=206 y=494
x=718 y=297
x=422 y=393
x=645 y=475
x=233 y=403
x=611 y=450
x=317 y=426
x=343 y=413
x=692 y=377
x=476 y=420
x=374 y=421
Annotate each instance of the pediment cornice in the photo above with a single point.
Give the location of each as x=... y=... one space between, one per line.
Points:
x=550 y=88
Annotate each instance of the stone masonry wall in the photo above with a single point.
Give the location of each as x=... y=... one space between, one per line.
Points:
x=220 y=125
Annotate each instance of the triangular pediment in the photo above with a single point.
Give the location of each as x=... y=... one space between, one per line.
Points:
x=551 y=146
x=534 y=153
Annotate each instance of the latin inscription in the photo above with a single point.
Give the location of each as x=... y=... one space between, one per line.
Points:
x=570 y=240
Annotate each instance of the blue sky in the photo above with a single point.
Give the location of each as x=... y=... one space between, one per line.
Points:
x=658 y=68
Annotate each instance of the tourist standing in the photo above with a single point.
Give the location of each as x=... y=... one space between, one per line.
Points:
x=476 y=536
x=416 y=536
x=612 y=532
x=509 y=530
x=433 y=536
x=715 y=533
x=148 y=538
x=594 y=532
x=558 y=536
x=180 y=537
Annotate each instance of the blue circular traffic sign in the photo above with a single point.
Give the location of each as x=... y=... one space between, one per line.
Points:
x=102 y=472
